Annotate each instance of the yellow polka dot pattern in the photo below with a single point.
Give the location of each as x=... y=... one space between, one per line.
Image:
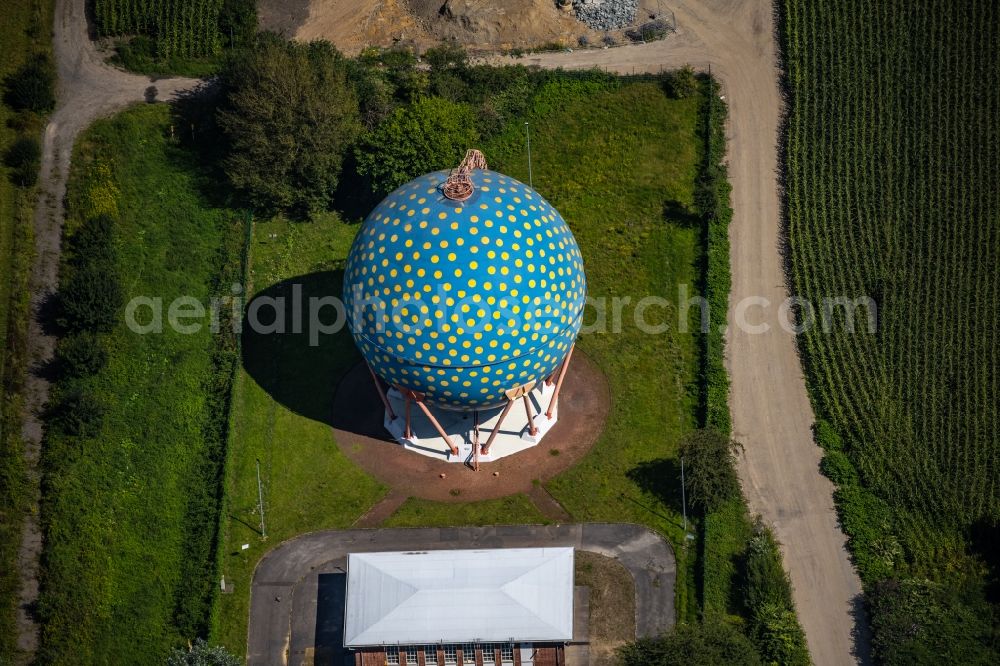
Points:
x=461 y=301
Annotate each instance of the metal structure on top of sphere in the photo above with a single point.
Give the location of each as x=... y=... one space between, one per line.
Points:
x=464 y=289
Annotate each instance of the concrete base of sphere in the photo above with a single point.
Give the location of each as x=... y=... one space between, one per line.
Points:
x=514 y=435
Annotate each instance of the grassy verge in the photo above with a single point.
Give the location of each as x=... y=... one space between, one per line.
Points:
x=515 y=509
x=281 y=417
x=131 y=499
x=24 y=29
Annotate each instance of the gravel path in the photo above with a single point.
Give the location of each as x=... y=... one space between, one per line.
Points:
x=285 y=589
x=771 y=412
x=87 y=89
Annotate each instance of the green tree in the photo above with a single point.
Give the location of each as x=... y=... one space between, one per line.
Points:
x=289 y=115
x=432 y=133
x=33 y=86
x=710 y=474
x=24 y=159
x=708 y=644
x=201 y=653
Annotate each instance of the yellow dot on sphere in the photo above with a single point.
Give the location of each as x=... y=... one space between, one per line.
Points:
x=438 y=275
x=420 y=272
x=442 y=215
x=434 y=259
x=451 y=256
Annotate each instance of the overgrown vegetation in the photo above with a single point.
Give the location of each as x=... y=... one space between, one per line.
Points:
x=703 y=644
x=178 y=36
x=26 y=38
x=289 y=115
x=891 y=163
x=133 y=443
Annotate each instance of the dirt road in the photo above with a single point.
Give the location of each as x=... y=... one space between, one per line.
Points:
x=770 y=408
x=87 y=89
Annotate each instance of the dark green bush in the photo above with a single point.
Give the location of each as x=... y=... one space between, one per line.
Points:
x=867 y=521
x=32 y=87
x=77 y=413
x=203 y=654
x=90 y=300
x=24 y=159
x=768 y=596
x=682 y=83
x=838 y=468
x=710 y=460
x=80 y=355
x=826 y=436
x=922 y=622
x=238 y=22
x=706 y=644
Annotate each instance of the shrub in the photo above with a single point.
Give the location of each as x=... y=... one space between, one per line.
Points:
x=682 y=83
x=24 y=159
x=77 y=413
x=90 y=300
x=80 y=355
x=774 y=627
x=707 y=644
x=33 y=86
x=838 y=468
x=867 y=520
x=826 y=437
x=201 y=653
x=710 y=475
x=433 y=133
x=922 y=622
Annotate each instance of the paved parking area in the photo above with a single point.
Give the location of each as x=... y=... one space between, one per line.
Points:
x=296 y=599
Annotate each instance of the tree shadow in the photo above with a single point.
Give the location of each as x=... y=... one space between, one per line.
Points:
x=660 y=478
x=289 y=347
x=676 y=212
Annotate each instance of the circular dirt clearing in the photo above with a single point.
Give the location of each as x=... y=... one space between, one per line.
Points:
x=583 y=409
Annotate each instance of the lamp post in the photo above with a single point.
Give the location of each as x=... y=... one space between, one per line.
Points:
x=527 y=137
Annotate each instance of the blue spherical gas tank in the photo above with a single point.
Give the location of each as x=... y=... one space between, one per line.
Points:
x=463 y=300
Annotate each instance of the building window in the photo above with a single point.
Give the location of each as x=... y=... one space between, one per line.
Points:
x=411 y=656
x=507 y=653
x=450 y=654
x=392 y=655
x=468 y=654
x=489 y=654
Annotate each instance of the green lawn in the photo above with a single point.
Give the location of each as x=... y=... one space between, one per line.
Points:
x=610 y=160
x=130 y=515
x=514 y=509
x=308 y=484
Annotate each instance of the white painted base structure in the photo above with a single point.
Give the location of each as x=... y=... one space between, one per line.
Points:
x=512 y=438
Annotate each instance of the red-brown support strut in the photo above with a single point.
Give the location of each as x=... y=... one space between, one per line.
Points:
x=562 y=376
x=381 y=393
x=532 y=430
x=496 y=428
x=437 y=426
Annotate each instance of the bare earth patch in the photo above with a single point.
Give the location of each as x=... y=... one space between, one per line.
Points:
x=612 y=604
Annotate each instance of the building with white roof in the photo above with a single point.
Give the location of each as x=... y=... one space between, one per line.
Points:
x=509 y=606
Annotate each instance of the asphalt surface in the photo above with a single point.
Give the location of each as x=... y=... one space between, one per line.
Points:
x=287 y=621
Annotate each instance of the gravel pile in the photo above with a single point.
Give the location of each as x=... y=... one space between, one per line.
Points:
x=606 y=14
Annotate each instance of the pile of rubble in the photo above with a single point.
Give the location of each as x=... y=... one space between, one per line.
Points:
x=606 y=14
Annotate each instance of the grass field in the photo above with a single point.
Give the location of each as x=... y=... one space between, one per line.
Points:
x=612 y=186
x=23 y=30
x=893 y=153
x=130 y=514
